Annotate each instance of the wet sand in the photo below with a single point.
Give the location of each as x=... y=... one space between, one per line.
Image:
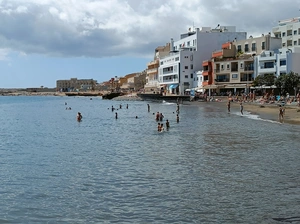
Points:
x=266 y=111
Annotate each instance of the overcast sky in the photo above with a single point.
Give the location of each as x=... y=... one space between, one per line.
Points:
x=45 y=40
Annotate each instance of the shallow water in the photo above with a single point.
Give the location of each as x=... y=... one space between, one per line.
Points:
x=211 y=167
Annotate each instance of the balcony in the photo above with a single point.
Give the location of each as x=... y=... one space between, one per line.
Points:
x=156 y=62
x=222 y=80
x=166 y=81
x=226 y=45
x=243 y=79
x=152 y=71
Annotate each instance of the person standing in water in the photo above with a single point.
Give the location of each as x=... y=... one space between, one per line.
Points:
x=228 y=106
x=79 y=116
x=177 y=110
x=148 y=107
x=116 y=115
x=177 y=118
x=167 y=124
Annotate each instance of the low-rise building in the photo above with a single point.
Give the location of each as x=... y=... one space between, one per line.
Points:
x=75 y=84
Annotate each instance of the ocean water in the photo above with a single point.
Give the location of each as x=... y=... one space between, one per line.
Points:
x=211 y=167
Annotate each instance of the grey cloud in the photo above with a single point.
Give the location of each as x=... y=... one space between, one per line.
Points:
x=150 y=24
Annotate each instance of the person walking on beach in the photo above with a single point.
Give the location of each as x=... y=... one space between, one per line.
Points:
x=228 y=106
x=241 y=107
x=116 y=115
x=148 y=105
x=281 y=113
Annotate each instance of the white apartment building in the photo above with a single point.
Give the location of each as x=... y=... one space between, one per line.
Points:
x=177 y=71
x=289 y=31
x=270 y=62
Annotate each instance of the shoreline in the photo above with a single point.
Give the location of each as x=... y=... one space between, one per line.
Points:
x=264 y=111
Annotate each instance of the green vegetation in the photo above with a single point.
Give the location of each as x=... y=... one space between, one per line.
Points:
x=265 y=79
x=286 y=83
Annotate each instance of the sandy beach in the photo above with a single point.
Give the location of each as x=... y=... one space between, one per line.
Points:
x=265 y=111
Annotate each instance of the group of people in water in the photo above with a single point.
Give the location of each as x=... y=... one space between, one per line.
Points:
x=159 y=118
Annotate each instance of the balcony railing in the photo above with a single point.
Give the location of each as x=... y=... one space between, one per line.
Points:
x=222 y=80
x=170 y=80
x=153 y=70
x=167 y=72
x=247 y=80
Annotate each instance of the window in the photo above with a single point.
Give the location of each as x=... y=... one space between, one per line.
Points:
x=222 y=67
x=188 y=43
x=186 y=67
x=227 y=66
x=253 y=47
x=246 y=48
x=192 y=75
x=295 y=42
x=269 y=65
x=234 y=76
x=239 y=48
x=282 y=62
x=186 y=76
x=242 y=65
x=283 y=34
x=295 y=32
x=177 y=59
x=161 y=63
x=283 y=45
x=263 y=45
x=192 y=66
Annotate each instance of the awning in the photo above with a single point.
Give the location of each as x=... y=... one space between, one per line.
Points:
x=173 y=86
x=263 y=87
x=235 y=86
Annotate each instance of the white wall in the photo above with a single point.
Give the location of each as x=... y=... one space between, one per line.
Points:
x=293 y=62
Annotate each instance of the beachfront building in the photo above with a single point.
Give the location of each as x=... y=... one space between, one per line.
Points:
x=289 y=32
x=152 y=83
x=134 y=81
x=177 y=70
x=232 y=69
x=75 y=84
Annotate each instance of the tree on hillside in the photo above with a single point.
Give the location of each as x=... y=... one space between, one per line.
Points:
x=264 y=79
x=288 y=82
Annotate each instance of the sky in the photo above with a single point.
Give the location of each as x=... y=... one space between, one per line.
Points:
x=42 y=41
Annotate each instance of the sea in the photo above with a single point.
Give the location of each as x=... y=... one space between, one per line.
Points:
x=210 y=167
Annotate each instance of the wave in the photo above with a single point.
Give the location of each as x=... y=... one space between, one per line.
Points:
x=167 y=103
x=255 y=117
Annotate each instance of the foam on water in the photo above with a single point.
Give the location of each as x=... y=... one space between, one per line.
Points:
x=248 y=114
x=167 y=103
